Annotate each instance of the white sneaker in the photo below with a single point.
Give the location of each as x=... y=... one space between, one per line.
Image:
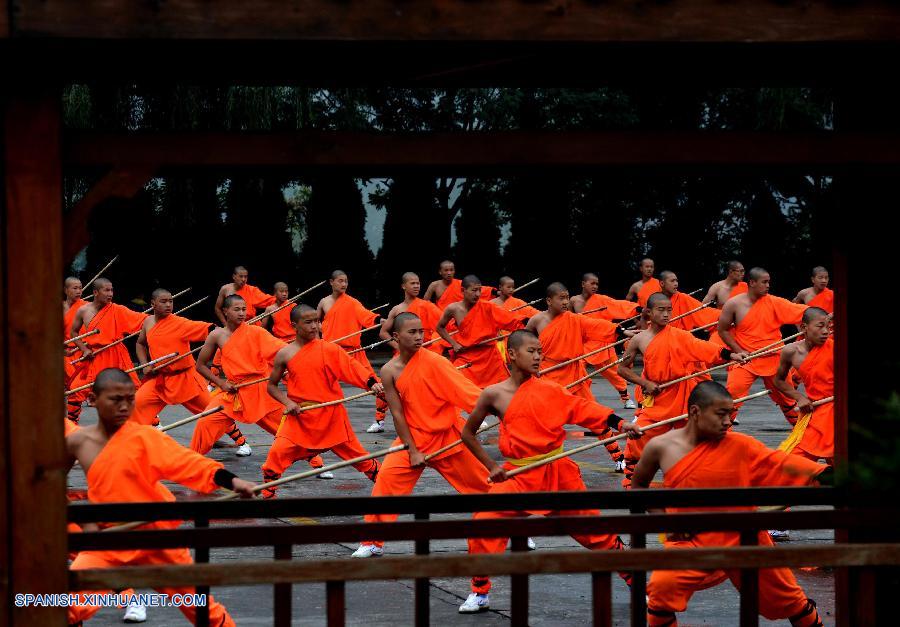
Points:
x=160 y=426
x=368 y=550
x=326 y=475
x=630 y=404
x=243 y=450
x=531 y=545
x=620 y=465
x=475 y=603
x=778 y=535
x=376 y=427
x=135 y=613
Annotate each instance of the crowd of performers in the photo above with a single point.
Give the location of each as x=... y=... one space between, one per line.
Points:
x=462 y=347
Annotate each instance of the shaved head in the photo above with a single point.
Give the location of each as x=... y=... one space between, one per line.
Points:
x=470 y=279
x=504 y=280
x=337 y=273
x=158 y=292
x=401 y=320
x=239 y=269
x=819 y=270
x=666 y=274
x=109 y=377
x=231 y=299
x=733 y=265
x=813 y=313
x=101 y=282
x=655 y=299
x=519 y=337
x=445 y=262
x=408 y=276
x=706 y=393
x=299 y=310
x=71 y=280
x=556 y=288
x=280 y=285
x=588 y=276
x=755 y=274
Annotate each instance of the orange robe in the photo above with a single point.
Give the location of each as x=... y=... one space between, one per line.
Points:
x=178 y=383
x=129 y=469
x=482 y=322
x=247 y=355
x=817 y=372
x=281 y=324
x=429 y=314
x=648 y=289
x=566 y=337
x=348 y=315
x=683 y=303
x=533 y=426
x=313 y=376
x=672 y=353
x=115 y=322
x=255 y=298
x=712 y=465
x=68 y=318
x=454 y=294
x=615 y=310
x=432 y=393
x=823 y=300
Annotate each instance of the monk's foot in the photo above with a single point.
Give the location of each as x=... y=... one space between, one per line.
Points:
x=376 y=427
x=243 y=450
x=475 y=603
x=368 y=550
x=325 y=475
x=135 y=613
x=620 y=465
x=530 y=542
x=630 y=404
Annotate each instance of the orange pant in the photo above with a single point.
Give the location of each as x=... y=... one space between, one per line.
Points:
x=211 y=428
x=162 y=557
x=558 y=476
x=284 y=453
x=779 y=594
x=462 y=470
x=148 y=403
x=739 y=382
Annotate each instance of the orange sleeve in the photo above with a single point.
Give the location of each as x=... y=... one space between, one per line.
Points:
x=787 y=312
x=700 y=350
x=269 y=345
x=776 y=468
x=506 y=320
x=129 y=321
x=172 y=462
x=451 y=385
x=195 y=330
x=582 y=412
x=261 y=300
x=349 y=370
x=597 y=329
x=364 y=317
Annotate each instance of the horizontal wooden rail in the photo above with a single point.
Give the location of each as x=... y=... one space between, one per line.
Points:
x=258 y=535
x=458 y=503
x=542 y=562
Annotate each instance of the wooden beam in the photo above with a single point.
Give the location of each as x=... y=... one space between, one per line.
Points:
x=757 y=21
x=32 y=429
x=481 y=151
x=532 y=563
x=118 y=183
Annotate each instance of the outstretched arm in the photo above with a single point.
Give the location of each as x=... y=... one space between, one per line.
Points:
x=483 y=407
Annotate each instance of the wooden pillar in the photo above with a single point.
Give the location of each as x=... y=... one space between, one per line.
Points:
x=32 y=462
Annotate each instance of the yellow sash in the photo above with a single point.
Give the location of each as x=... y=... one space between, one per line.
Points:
x=534 y=458
x=647 y=401
x=796 y=434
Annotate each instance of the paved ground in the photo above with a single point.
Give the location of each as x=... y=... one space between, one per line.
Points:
x=555 y=599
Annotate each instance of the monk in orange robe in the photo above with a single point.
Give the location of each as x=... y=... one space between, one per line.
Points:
x=126 y=462
x=813 y=359
x=279 y=322
x=683 y=303
x=729 y=287
x=73 y=301
x=427 y=312
x=478 y=321
x=533 y=413
x=252 y=295
x=247 y=355
x=506 y=299
x=751 y=321
x=819 y=295
x=703 y=455
x=669 y=353
x=563 y=336
x=601 y=307
x=314 y=369
x=448 y=290
x=341 y=315
x=425 y=394
x=115 y=322
x=177 y=383
x=641 y=289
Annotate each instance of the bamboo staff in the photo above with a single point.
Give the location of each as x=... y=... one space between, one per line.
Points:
x=99 y=274
x=379 y=307
x=81 y=337
x=522 y=287
x=368 y=346
x=594 y=310
x=438 y=339
x=129 y=371
x=192 y=418
x=621 y=436
x=565 y=363
x=174 y=296
x=355 y=333
x=180 y=357
x=692 y=311
x=287 y=303
x=446 y=448
x=595 y=373
x=136 y=333
x=781 y=341
x=663 y=386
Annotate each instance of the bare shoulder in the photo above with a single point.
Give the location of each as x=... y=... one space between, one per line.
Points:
x=226 y=289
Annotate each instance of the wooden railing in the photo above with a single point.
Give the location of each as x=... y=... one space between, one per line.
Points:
x=284 y=572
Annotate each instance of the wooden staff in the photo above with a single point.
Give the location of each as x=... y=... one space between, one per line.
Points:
x=368 y=346
x=704 y=326
x=768 y=346
x=446 y=448
x=621 y=436
x=692 y=311
x=565 y=363
x=595 y=373
x=130 y=370
x=81 y=337
x=438 y=339
x=136 y=333
x=522 y=287
x=594 y=310
x=355 y=333
x=180 y=357
x=174 y=296
x=99 y=274
x=192 y=418
x=379 y=307
x=287 y=303
x=663 y=386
